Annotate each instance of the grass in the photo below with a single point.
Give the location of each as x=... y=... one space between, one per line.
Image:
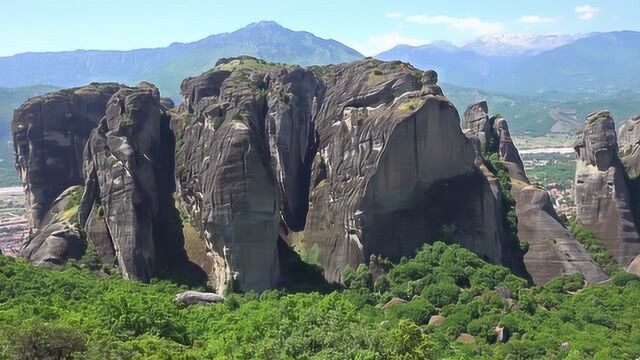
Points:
x=411 y=105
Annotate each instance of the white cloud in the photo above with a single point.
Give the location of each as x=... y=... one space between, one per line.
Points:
x=473 y=24
x=377 y=44
x=394 y=15
x=535 y=19
x=586 y=12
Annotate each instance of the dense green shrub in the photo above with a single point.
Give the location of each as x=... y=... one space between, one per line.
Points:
x=74 y=313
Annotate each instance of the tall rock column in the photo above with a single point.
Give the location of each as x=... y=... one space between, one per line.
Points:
x=49 y=136
x=128 y=167
x=603 y=198
x=246 y=140
x=552 y=250
x=394 y=171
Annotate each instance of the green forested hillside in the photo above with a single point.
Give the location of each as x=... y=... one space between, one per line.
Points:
x=536 y=115
x=12 y=98
x=54 y=314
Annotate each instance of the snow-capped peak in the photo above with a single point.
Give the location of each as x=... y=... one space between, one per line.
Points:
x=518 y=44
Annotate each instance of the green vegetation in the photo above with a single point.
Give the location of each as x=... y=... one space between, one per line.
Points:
x=8 y=174
x=535 y=115
x=411 y=105
x=72 y=313
x=510 y=220
x=551 y=168
x=595 y=248
x=12 y=98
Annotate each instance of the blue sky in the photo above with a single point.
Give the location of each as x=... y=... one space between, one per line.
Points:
x=370 y=26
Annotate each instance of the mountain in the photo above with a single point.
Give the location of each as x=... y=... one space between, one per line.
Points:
x=602 y=63
x=11 y=98
x=455 y=65
x=168 y=66
x=597 y=64
x=518 y=44
x=540 y=114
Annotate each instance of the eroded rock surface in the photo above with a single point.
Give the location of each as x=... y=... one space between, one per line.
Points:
x=127 y=208
x=49 y=136
x=342 y=162
x=603 y=198
x=553 y=250
x=59 y=237
x=246 y=140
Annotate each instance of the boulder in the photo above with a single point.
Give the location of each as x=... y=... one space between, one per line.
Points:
x=565 y=346
x=466 y=338
x=503 y=292
x=603 y=196
x=128 y=203
x=436 y=320
x=49 y=135
x=394 y=302
x=198 y=298
x=502 y=335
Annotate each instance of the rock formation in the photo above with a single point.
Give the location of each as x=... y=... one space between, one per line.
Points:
x=553 y=250
x=49 y=135
x=60 y=237
x=342 y=162
x=394 y=171
x=603 y=196
x=128 y=207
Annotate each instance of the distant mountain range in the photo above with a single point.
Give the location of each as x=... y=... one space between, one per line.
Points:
x=526 y=78
x=167 y=67
x=598 y=63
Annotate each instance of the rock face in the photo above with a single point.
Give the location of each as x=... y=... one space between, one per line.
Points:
x=394 y=171
x=603 y=195
x=127 y=208
x=59 y=238
x=342 y=162
x=553 y=250
x=49 y=135
x=246 y=141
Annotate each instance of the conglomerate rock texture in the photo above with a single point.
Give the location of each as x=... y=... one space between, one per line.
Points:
x=49 y=136
x=342 y=162
x=604 y=188
x=553 y=250
x=128 y=207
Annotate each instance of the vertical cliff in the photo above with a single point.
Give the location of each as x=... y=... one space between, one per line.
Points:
x=49 y=135
x=128 y=171
x=245 y=143
x=603 y=198
x=341 y=162
x=552 y=250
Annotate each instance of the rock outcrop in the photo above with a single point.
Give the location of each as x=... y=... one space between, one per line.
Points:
x=552 y=249
x=60 y=237
x=128 y=207
x=603 y=196
x=394 y=171
x=342 y=162
x=49 y=136
x=246 y=140
x=198 y=298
